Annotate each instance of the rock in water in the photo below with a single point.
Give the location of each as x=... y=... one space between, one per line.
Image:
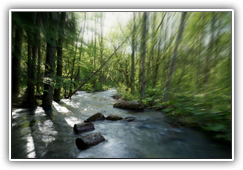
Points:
x=95 y=117
x=113 y=117
x=89 y=140
x=83 y=127
x=129 y=105
x=129 y=118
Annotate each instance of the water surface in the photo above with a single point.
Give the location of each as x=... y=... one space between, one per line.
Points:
x=49 y=133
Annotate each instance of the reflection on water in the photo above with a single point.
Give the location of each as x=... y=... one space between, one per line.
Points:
x=30 y=148
x=40 y=111
x=49 y=133
x=73 y=120
x=60 y=108
x=70 y=102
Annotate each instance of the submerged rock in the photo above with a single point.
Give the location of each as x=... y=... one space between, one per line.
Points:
x=89 y=140
x=83 y=127
x=129 y=105
x=113 y=117
x=129 y=118
x=95 y=117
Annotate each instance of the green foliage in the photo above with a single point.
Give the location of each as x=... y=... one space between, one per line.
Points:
x=200 y=88
x=201 y=111
x=153 y=96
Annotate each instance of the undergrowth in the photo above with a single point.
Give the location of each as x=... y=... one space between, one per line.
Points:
x=210 y=112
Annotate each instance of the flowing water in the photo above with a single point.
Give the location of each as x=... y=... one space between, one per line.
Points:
x=49 y=134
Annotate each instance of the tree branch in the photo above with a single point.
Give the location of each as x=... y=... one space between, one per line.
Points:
x=70 y=95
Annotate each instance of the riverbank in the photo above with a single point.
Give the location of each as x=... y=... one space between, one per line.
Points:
x=190 y=111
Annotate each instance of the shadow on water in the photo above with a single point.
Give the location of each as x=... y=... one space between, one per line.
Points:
x=39 y=134
x=48 y=133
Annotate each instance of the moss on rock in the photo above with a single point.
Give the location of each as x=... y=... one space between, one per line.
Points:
x=95 y=117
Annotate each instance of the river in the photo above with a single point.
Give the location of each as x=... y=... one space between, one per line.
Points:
x=48 y=134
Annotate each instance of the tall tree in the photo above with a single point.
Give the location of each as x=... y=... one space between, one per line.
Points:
x=173 y=61
x=32 y=31
x=143 y=55
x=101 y=49
x=80 y=50
x=57 y=91
x=50 y=61
x=16 y=55
x=133 y=55
x=210 y=51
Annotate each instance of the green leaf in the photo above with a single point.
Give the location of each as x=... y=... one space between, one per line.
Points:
x=215 y=127
x=168 y=109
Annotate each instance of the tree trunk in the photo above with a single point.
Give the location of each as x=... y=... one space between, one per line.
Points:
x=57 y=91
x=74 y=60
x=89 y=140
x=18 y=40
x=83 y=127
x=80 y=53
x=122 y=70
x=210 y=53
x=30 y=101
x=143 y=54
x=156 y=68
x=133 y=55
x=50 y=62
x=101 y=51
x=38 y=84
x=31 y=93
x=173 y=62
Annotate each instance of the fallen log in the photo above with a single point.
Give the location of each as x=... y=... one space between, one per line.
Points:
x=129 y=105
x=89 y=140
x=83 y=127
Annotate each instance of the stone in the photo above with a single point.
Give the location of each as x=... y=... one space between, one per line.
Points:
x=129 y=118
x=90 y=140
x=129 y=105
x=95 y=117
x=113 y=117
x=83 y=127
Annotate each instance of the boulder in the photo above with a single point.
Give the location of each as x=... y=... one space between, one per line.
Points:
x=129 y=118
x=95 y=117
x=90 y=140
x=129 y=105
x=83 y=127
x=113 y=117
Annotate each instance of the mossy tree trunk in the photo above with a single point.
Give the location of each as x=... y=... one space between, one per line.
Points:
x=50 y=61
x=57 y=91
x=16 y=58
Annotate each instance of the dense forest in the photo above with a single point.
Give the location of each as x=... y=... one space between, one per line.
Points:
x=176 y=62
